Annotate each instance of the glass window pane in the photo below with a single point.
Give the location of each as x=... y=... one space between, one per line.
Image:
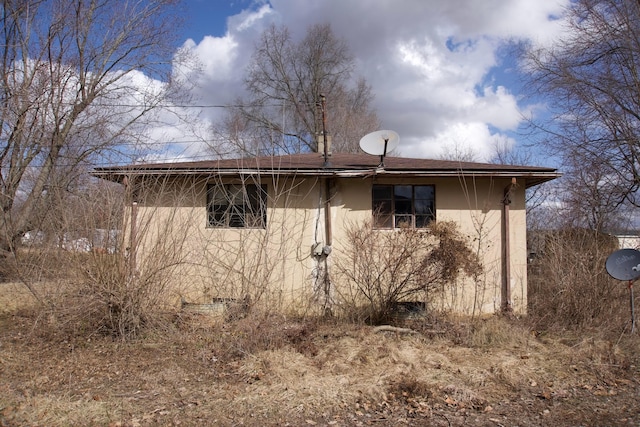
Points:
x=424 y=192
x=260 y=210
x=236 y=220
x=383 y=221
x=403 y=206
x=217 y=219
x=217 y=195
x=236 y=194
x=252 y=220
x=403 y=221
x=256 y=196
x=403 y=192
x=236 y=205
x=382 y=192
x=423 y=221
x=382 y=207
x=424 y=207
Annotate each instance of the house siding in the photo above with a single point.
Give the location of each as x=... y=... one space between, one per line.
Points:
x=275 y=265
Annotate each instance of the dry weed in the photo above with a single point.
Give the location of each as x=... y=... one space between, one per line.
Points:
x=492 y=332
x=258 y=371
x=569 y=287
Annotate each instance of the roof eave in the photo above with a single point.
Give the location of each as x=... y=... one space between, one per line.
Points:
x=532 y=178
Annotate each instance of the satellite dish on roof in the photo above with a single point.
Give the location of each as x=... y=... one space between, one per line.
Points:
x=624 y=264
x=379 y=143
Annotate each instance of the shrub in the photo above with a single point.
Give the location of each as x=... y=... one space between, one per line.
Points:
x=568 y=284
x=383 y=268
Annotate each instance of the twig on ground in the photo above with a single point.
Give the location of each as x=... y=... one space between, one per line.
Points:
x=389 y=328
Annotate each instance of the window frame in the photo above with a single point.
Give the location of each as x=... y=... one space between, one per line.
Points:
x=388 y=208
x=239 y=206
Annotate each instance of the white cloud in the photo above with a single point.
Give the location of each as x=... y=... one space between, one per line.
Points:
x=217 y=56
x=471 y=140
x=498 y=108
x=428 y=61
x=247 y=19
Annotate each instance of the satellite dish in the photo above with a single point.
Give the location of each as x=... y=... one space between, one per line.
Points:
x=379 y=143
x=624 y=264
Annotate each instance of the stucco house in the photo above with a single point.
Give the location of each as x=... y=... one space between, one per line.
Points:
x=269 y=228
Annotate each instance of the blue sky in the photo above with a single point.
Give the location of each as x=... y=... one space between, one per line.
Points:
x=440 y=71
x=209 y=17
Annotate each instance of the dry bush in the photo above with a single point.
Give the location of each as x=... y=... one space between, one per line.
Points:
x=104 y=286
x=568 y=285
x=130 y=292
x=383 y=268
x=121 y=304
x=100 y=296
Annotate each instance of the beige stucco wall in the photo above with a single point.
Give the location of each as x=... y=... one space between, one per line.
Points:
x=275 y=265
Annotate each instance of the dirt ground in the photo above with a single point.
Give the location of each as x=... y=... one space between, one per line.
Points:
x=273 y=371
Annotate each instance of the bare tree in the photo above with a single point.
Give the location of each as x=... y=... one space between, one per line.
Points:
x=591 y=198
x=458 y=152
x=591 y=79
x=286 y=82
x=71 y=88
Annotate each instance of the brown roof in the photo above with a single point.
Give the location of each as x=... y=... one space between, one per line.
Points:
x=339 y=164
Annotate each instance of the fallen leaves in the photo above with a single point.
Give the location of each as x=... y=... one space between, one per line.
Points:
x=354 y=379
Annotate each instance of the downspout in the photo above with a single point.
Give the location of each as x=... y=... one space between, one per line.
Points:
x=506 y=248
x=133 y=231
x=133 y=249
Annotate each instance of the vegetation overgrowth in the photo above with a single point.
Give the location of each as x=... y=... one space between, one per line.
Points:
x=188 y=368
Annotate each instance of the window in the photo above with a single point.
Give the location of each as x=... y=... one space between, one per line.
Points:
x=397 y=206
x=236 y=206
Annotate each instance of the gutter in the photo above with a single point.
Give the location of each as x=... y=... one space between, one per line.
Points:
x=506 y=305
x=530 y=178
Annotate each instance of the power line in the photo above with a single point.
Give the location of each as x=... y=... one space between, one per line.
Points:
x=141 y=105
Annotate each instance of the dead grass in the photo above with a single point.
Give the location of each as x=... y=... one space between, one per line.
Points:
x=268 y=370
x=14 y=296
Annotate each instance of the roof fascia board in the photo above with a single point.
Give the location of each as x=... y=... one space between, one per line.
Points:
x=535 y=177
